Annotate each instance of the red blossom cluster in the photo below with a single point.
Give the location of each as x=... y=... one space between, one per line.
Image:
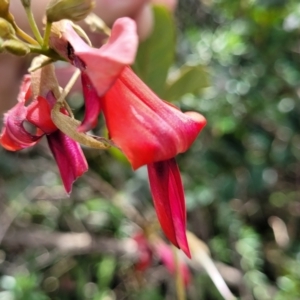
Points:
x=149 y=131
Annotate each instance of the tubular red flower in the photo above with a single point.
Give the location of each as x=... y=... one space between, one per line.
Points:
x=146 y=128
x=14 y=136
x=67 y=153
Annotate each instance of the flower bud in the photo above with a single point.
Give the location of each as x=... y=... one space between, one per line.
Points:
x=6 y=29
x=26 y=3
x=4 y=8
x=15 y=47
x=74 y=10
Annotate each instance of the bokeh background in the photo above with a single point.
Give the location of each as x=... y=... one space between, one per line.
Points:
x=237 y=63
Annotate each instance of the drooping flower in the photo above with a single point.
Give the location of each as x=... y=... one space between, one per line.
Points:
x=14 y=136
x=147 y=129
x=152 y=132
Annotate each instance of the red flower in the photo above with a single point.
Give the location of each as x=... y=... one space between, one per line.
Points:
x=67 y=153
x=147 y=129
x=146 y=248
x=144 y=253
x=165 y=254
x=152 y=132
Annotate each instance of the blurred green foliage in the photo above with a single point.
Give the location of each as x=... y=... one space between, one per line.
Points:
x=236 y=62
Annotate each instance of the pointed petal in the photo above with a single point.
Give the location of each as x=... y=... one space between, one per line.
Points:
x=146 y=128
x=69 y=158
x=92 y=104
x=168 y=197
x=39 y=114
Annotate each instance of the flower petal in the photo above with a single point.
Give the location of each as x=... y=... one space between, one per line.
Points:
x=14 y=136
x=103 y=65
x=146 y=128
x=69 y=158
x=168 y=197
x=39 y=114
x=25 y=89
x=92 y=104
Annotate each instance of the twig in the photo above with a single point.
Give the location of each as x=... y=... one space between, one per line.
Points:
x=69 y=243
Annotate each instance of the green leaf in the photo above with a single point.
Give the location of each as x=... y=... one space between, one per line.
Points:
x=105 y=273
x=188 y=79
x=156 y=54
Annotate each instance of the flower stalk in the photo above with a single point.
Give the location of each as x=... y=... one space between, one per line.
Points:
x=32 y=24
x=22 y=34
x=179 y=283
x=47 y=35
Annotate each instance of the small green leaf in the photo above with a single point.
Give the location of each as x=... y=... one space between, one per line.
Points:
x=156 y=54
x=118 y=155
x=105 y=273
x=188 y=79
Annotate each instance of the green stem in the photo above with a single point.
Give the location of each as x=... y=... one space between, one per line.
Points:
x=33 y=25
x=47 y=52
x=47 y=35
x=180 y=289
x=24 y=35
x=20 y=32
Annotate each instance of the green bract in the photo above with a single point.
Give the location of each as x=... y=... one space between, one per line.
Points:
x=74 y=10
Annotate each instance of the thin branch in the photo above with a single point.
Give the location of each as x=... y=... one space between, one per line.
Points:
x=69 y=243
